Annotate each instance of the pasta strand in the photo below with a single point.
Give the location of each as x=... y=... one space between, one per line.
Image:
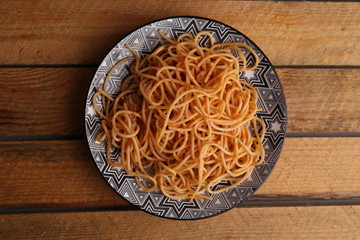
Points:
x=184 y=121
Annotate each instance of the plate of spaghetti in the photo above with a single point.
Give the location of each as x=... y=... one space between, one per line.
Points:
x=185 y=118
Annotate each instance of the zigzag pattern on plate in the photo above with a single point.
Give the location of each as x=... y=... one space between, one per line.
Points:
x=271 y=100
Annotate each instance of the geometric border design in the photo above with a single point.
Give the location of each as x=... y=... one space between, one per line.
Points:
x=271 y=99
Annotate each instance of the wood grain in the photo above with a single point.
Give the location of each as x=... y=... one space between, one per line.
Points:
x=339 y=222
x=82 y=32
x=50 y=174
x=42 y=101
x=322 y=100
x=50 y=101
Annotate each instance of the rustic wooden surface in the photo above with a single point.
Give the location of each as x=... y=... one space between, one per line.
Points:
x=75 y=181
x=320 y=222
x=81 y=32
x=50 y=187
x=316 y=98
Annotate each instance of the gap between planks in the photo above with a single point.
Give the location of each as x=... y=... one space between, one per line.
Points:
x=246 y=204
x=95 y=65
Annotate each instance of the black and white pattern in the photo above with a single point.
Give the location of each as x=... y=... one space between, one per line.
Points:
x=271 y=99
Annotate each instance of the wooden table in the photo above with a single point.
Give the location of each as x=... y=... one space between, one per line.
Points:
x=50 y=188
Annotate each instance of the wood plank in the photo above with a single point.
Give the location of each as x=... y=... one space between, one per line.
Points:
x=50 y=174
x=316 y=166
x=42 y=101
x=322 y=100
x=328 y=222
x=316 y=98
x=82 y=32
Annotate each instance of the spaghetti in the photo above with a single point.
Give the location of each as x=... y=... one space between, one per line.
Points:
x=183 y=120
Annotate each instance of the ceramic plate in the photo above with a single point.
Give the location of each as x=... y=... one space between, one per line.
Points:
x=271 y=99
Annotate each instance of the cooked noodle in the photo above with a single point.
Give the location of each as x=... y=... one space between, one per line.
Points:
x=183 y=120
